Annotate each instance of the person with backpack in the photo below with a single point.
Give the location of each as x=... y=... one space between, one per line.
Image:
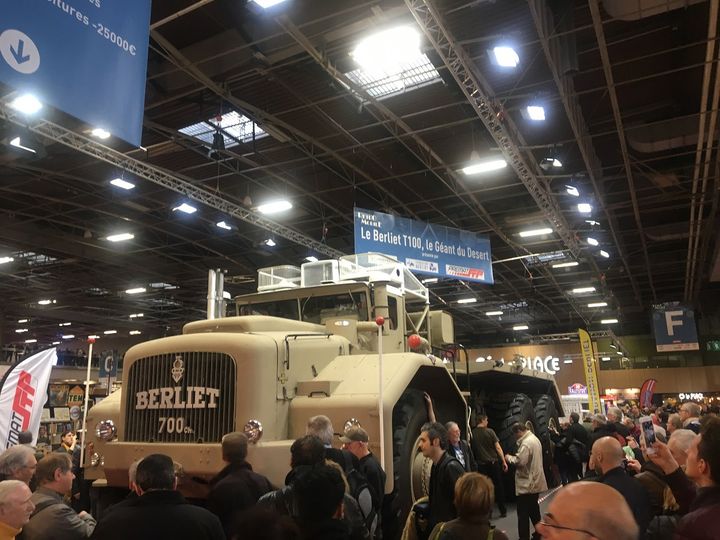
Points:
x=445 y=472
x=474 y=501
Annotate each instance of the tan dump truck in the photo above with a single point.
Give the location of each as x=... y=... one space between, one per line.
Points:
x=305 y=344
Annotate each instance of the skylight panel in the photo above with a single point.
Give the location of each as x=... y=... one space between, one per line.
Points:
x=380 y=83
x=235 y=127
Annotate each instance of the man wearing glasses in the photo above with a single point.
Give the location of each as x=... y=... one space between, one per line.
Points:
x=587 y=510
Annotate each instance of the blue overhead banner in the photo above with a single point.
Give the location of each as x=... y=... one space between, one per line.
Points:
x=674 y=327
x=87 y=58
x=424 y=248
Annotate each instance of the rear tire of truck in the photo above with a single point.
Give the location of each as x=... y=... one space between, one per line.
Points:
x=547 y=416
x=409 y=414
x=506 y=409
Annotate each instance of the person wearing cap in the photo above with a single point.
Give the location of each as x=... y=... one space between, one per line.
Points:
x=356 y=441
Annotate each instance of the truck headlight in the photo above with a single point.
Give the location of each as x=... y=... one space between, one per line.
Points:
x=105 y=430
x=253 y=430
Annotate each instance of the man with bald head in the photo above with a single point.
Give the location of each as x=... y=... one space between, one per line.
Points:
x=590 y=508
x=608 y=459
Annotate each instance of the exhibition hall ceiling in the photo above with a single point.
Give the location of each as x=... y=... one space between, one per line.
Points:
x=629 y=92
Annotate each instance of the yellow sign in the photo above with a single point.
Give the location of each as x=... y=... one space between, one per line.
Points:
x=590 y=369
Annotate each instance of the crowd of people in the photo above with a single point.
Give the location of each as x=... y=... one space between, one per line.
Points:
x=623 y=487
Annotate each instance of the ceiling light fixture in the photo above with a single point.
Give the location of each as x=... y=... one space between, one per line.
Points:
x=592 y=222
x=592 y=241
x=100 y=133
x=565 y=264
x=136 y=315
x=505 y=56
x=269 y=242
x=519 y=327
x=604 y=253
x=311 y=259
x=597 y=304
x=22 y=144
x=22 y=321
x=223 y=225
x=467 y=300
x=31 y=341
x=619 y=353
x=605 y=358
x=535 y=232
x=485 y=166
x=584 y=208
x=582 y=290
x=274 y=207
x=265 y=4
x=135 y=332
x=26 y=104
x=186 y=208
x=572 y=190
x=119 y=182
x=68 y=336
x=21 y=330
x=65 y=324
x=46 y=302
x=429 y=281
x=535 y=112
x=550 y=162
x=109 y=332
x=120 y=237
x=136 y=290
x=608 y=321
x=5 y=260
x=56 y=343
x=493 y=313
x=613 y=346
x=94 y=336
x=389 y=50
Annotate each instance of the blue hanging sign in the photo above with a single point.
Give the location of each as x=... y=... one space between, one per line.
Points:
x=87 y=58
x=674 y=327
x=424 y=248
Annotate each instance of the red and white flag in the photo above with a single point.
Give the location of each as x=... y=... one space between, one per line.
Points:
x=23 y=392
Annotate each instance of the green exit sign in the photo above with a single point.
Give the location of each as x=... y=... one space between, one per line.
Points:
x=713 y=345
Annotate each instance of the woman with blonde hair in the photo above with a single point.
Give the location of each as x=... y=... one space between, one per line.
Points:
x=474 y=499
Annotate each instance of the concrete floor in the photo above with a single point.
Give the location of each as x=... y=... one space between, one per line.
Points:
x=508 y=524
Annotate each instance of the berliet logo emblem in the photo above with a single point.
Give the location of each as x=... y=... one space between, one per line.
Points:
x=178 y=369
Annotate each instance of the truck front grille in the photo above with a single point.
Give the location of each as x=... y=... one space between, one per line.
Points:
x=180 y=397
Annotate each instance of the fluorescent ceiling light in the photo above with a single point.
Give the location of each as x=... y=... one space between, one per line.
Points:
x=31 y=341
x=535 y=232
x=121 y=237
x=46 y=302
x=268 y=3
x=428 y=281
x=269 y=242
x=608 y=321
x=536 y=112
x=68 y=336
x=551 y=162
x=100 y=133
x=94 y=336
x=135 y=332
x=136 y=290
x=572 y=190
x=65 y=324
x=613 y=346
x=619 y=352
x=568 y=361
x=185 y=207
x=110 y=332
x=581 y=290
x=5 y=260
x=223 y=225
x=520 y=327
x=26 y=103
x=584 y=208
x=506 y=56
x=565 y=264
x=311 y=259
x=485 y=166
x=17 y=143
x=605 y=358
x=590 y=240
x=604 y=253
x=493 y=313
x=136 y=315
x=592 y=222
x=467 y=301
x=119 y=182
x=21 y=330
x=226 y=295
x=56 y=343
x=22 y=321
x=274 y=207
x=597 y=304
x=388 y=50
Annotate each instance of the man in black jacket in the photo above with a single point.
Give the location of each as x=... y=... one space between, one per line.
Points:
x=607 y=459
x=460 y=449
x=236 y=487
x=160 y=512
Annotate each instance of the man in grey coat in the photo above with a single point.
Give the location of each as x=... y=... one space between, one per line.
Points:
x=53 y=518
x=529 y=479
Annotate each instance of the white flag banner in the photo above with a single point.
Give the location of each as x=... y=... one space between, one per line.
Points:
x=22 y=396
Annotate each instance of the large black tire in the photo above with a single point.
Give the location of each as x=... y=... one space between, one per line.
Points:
x=409 y=414
x=546 y=416
x=503 y=411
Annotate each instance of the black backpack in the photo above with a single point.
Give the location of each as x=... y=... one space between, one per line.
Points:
x=360 y=491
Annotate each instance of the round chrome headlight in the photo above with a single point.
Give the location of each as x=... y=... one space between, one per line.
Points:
x=96 y=459
x=253 y=430
x=105 y=430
